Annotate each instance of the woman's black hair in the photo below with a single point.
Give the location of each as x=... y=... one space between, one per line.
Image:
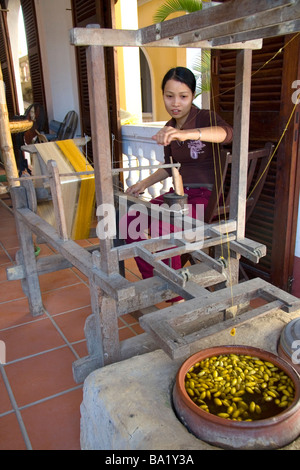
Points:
x=181 y=74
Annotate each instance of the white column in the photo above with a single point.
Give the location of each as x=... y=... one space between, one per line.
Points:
x=16 y=41
x=129 y=20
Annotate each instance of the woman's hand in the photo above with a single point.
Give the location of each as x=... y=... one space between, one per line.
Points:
x=136 y=189
x=167 y=134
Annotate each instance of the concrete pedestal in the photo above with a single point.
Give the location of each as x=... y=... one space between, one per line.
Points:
x=128 y=405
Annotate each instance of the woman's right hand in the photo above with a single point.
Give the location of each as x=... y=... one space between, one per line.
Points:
x=136 y=189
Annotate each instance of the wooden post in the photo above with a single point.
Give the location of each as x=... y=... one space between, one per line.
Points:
x=6 y=145
x=101 y=141
x=101 y=331
x=58 y=203
x=28 y=260
x=105 y=311
x=240 y=141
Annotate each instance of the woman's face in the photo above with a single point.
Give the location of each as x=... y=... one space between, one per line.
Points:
x=178 y=98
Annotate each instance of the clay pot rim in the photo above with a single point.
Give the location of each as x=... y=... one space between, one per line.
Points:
x=238 y=349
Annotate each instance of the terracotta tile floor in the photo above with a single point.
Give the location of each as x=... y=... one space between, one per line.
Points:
x=39 y=400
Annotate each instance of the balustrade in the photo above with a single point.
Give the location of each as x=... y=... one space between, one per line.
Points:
x=139 y=150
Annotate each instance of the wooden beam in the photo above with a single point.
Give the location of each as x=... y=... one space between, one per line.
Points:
x=237 y=23
x=289 y=27
x=240 y=141
x=229 y=18
x=101 y=141
x=176 y=328
x=132 y=38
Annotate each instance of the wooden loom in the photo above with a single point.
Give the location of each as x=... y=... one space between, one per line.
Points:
x=238 y=24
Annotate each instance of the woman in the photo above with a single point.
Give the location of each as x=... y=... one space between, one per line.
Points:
x=188 y=138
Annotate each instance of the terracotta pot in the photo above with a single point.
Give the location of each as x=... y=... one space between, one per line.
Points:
x=271 y=433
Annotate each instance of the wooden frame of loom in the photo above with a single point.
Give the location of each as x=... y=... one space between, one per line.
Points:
x=235 y=24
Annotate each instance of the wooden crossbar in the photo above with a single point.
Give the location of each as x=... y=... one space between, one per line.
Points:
x=176 y=329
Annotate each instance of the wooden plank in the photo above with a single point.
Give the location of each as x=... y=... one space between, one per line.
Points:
x=249 y=249
x=191 y=247
x=114 y=284
x=209 y=261
x=244 y=19
x=161 y=269
x=132 y=38
x=104 y=37
x=45 y=265
x=228 y=18
x=290 y=302
x=149 y=292
x=168 y=339
x=137 y=345
x=223 y=43
x=84 y=367
x=211 y=302
x=179 y=350
x=288 y=27
x=168 y=326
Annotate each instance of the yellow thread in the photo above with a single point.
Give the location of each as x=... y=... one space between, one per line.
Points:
x=85 y=207
x=224 y=204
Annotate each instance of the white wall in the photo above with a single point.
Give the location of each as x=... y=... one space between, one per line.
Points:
x=58 y=57
x=13 y=20
x=132 y=75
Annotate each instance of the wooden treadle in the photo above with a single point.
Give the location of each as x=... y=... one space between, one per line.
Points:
x=176 y=328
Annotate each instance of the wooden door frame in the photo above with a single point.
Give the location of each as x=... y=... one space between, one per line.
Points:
x=288 y=174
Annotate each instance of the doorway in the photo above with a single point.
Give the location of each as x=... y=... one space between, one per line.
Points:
x=146 y=88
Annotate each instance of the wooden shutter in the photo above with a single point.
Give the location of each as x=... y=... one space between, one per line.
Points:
x=34 y=55
x=7 y=64
x=101 y=13
x=274 y=69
